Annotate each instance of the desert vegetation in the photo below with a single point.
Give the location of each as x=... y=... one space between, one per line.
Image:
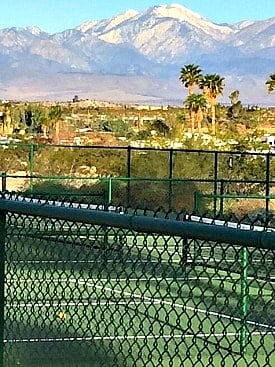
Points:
x=32 y=131
x=201 y=113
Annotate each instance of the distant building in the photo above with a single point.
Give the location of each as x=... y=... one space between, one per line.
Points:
x=271 y=140
x=75 y=99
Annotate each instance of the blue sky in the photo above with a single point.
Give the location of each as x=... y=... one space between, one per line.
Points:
x=58 y=15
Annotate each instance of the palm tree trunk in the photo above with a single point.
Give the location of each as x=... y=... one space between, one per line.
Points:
x=192 y=122
x=9 y=124
x=213 y=113
x=191 y=89
x=56 y=130
x=44 y=128
x=199 y=118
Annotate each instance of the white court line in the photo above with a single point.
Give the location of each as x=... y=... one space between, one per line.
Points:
x=86 y=303
x=134 y=337
x=182 y=306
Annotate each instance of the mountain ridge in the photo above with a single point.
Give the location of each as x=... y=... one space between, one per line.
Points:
x=151 y=44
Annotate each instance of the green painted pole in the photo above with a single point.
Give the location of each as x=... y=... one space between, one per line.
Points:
x=267 y=182
x=129 y=175
x=2 y=283
x=170 y=190
x=221 y=197
x=4 y=181
x=31 y=165
x=215 y=187
x=185 y=252
x=109 y=200
x=244 y=298
x=196 y=204
x=110 y=190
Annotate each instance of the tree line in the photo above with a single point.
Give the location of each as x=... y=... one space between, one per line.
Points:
x=30 y=118
x=212 y=86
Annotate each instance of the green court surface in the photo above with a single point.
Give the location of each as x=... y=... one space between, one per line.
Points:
x=132 y=299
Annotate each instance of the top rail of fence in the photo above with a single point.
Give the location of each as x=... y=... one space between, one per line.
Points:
x=133 y=179
x=191 y=229
x=132 y=148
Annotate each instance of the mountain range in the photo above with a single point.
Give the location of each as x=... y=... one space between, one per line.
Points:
x=136 y=57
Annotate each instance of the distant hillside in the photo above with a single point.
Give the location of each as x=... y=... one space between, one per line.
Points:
x=136 y=57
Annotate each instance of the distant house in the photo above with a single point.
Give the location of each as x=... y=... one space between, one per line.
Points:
x=270 y=140
x=75 y=99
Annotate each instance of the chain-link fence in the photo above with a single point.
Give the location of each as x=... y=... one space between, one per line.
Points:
x=142 y=176
x=123 y=287
x=193 y=195
x=60 y=160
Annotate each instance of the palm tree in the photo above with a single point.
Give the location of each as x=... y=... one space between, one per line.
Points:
x=212 y=85
x=196 y=103
x=270 y=83
x=190 y=76
x=54 y=116
x=234 y=97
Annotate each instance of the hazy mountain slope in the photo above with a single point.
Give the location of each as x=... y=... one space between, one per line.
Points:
x=149 y=46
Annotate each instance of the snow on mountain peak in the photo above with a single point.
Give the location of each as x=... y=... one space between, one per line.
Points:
x=243 y=24
x=108 y=23
x=36 y=31
x=84 y=27
x=183 y=14
x=176 y=11
x=121 y=18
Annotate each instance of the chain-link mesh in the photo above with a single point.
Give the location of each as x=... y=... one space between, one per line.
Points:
x=87 y=168
x=84 y=294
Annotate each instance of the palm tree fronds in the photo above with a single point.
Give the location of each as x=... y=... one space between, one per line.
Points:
x=271 y=83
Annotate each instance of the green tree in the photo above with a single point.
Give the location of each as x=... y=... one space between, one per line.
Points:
x=212 y=86
x=234 y=97
x=161 y=127
x=270 y=83
x=235 y=110
x=196 y=104
x=190 y=76
x=54 y=117
x=236 y=106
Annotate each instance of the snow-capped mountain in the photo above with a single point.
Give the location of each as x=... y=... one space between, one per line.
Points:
x=149 y=46
x=162 y=18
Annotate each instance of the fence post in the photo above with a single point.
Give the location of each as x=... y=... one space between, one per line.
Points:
x=185 y=253
x=129 y=174
x=2 y=283
x=108 y=200
x=221 y=197
x=196 y=202
x=267 y=182
x=170 y=177
x=31 y=165
x=215 y=188
x=109 y=190
x=4 y=181
x=244 y=299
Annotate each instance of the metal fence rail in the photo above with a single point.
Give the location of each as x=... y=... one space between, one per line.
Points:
x=193 y=195
x=212 y=172
x=83 y=287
